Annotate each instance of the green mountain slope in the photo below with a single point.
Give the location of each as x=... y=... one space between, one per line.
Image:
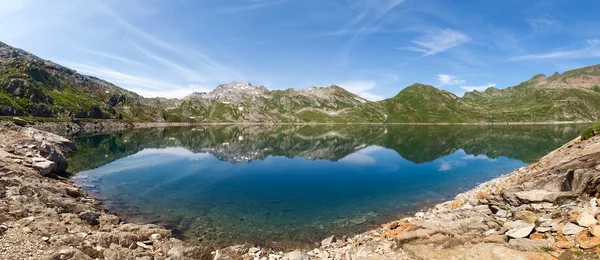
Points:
x=31 y=86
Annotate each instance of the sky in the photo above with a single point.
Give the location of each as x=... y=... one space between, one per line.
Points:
x=373 y=48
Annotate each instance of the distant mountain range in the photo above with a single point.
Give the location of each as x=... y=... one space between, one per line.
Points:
x=31 y=86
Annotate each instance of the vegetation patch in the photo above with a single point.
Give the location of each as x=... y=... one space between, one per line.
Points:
x=590 y=131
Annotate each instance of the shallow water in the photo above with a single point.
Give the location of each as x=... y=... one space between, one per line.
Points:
x=296 y=184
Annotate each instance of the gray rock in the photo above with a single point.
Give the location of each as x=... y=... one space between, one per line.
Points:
x=515 y=224
x=521 y=231
x=49 y=152
x=536 y=196
x=571 y=229
x=543 y=229
x=502 y=213
x=328 y=241
x=19 y=121
x=90 y=217
x=295 y=255
x=529 y=245
x=586 y=219
x=69 y=253
x=44 y=167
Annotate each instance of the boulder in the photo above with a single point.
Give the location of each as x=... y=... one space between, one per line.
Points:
x=571 y=229
x=586 y=219
x=19 y=121
x=585 y=241
x=596 y=230
x=48 y=151
x=502 y=213
x=520 y=232
x=295 y=255
x=90 y=217
x=68 y=253
x=327 y=241
x=536 y=196
x=529 y=245
x=43 y=166
x=526 y=216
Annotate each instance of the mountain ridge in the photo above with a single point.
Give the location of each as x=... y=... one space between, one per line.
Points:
x=32 y=86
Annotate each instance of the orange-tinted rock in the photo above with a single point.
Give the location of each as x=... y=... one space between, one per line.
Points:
x=537 y=236
x=481 y=194
x=456 y=204
x=564 y=244
x=596 y=230
x=401 y=227
x=585 y=241
x=393 y=225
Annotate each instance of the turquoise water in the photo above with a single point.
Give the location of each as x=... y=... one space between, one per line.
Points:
x=296 y=185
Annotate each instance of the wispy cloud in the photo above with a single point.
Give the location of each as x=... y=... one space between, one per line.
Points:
x=218 y=70
x=118 y=77
x=436 y=41
x=362 y=88
x=446 y=79
x=189 y=74
x=252 y=5
x=366 y=21
x=114 y=57
x=540 y=26
x=478 y=88
x=591 y=50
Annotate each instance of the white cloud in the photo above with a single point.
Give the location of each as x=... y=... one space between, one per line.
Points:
x=249 y=5
x=362 y=156
x=446 y=79
x=161 y=59
x=478 y=88
x=541 y=26
x=361 y=88
x=171 y=93
x=449 y=165
x=371 y=97
x=445 y=166
x=592 y=50
x=477 y=157
x=435 y=41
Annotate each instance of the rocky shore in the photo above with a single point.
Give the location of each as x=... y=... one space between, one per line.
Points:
x=547 y=210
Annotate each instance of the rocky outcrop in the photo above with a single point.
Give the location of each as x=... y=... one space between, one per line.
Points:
x=50 y=218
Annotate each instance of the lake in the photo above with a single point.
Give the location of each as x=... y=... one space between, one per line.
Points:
x=294 y=185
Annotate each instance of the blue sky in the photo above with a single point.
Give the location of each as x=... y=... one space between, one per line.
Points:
x=374 y=48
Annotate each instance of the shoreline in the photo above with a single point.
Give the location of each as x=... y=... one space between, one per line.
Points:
x=513 y=214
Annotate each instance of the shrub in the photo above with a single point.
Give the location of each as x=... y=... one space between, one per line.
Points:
x=590 y=131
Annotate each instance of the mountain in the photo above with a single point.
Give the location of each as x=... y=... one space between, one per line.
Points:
x=34 y=87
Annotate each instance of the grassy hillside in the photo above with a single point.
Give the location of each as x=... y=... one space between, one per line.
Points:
x=33 y=87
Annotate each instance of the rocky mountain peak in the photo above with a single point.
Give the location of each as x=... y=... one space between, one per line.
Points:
x=236 y=92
